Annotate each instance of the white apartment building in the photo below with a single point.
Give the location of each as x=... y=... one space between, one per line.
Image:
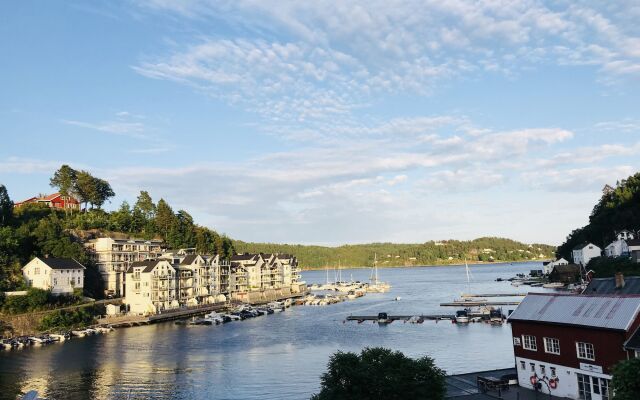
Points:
x=617 y=249
x=583 y=253
x=151 y=287
x=60 y=275
x=251 y=266
x=114 y=256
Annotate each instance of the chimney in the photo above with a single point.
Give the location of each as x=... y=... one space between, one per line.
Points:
x=619 y=280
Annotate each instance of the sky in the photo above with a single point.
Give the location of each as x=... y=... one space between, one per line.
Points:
x=329 y=122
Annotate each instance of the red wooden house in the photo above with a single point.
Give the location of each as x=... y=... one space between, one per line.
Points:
x=567 y=344
x=55 y=200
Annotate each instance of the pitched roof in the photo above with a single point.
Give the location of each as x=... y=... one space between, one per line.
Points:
x=61 y=263
x=608 y=286
x=583 y=245
x=148 y=264
x=607 y=312
x=243 y=257
x=634 y=341
x=566 y=268
x=189 y=259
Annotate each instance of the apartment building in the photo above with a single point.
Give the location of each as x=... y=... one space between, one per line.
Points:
x=114 y=256
x=151 y=287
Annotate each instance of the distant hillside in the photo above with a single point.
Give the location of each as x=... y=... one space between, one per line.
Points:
x=391 y=254
x=617 y=209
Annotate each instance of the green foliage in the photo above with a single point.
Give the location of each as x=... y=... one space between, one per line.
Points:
x=66 y=319
x=393 y=254
x=36 y=300
x=606 y=267
x=617 y=209
x=6 y=206
x=81 y=184
x=378 y=373
x=626 y=380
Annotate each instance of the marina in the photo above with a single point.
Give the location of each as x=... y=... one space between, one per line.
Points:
x=236 y=360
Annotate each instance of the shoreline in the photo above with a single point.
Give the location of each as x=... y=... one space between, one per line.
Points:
x=453 y=264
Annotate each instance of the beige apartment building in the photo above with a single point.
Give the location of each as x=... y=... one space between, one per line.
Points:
x=151 y=287
x=114 y=256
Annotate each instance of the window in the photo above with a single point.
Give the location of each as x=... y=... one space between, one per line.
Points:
x=553 y=372
x=516 y=341
x=551 y=345
x=55 y=281
x=533 y=367
x=585 y=351
x=543 y=370
x=529 y=342
x=37 y=271
x=584 y=387
x=604 y=388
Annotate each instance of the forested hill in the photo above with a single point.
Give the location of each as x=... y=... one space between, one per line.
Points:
x=617 y=209
x=392 y=254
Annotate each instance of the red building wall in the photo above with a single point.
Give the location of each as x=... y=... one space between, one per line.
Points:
x=607 y=344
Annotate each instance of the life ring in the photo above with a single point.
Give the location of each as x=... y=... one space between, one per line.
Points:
x=534 y=380
x=553 y=383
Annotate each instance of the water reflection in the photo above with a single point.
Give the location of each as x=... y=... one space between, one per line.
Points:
x=279 y=356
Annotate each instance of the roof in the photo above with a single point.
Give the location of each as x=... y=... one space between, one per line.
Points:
x=61 y=263
x=606 y=312
x=188 y=260
x=566 y=268
x=634 y=341
x=243 y=257
x=148 y=264
x=583 y=245
x=633 y=242
x=608 y=286
x=50 y=197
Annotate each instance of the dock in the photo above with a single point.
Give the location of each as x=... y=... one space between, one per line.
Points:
x=472 y=303
x=433 y=317
x=471 y=296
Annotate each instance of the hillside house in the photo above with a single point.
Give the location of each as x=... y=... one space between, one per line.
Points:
x=547 y=267
x=583 y=253
x=55 y=200
x=60 y=275
x=618 y=248
x=568 y=273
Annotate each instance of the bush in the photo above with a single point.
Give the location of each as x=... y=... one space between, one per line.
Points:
x=37 y=300
x=64 y=319
x=606 y=267
x=626 y=380
x=379 y=373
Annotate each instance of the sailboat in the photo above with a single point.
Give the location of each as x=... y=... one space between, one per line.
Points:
x=375 y=285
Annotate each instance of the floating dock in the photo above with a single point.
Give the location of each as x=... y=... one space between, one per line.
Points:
x=471 y=296
x=434 y=317
x=472 y=303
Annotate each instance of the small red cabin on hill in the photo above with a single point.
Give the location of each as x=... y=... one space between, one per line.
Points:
x=55 y=200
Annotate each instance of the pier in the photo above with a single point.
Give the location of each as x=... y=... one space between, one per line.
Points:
x=471 y=303
x=471 y=296
x=432 y=317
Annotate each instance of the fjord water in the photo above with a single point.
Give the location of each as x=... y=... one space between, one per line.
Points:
x=280 y=356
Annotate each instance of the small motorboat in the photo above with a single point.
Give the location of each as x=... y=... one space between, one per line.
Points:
x=416 y=319
x=232 y=317
x=6 y=344
x=553 y=285
x=383 y=319
x=462 y=317
x=59 y=337
x=398 y=298
x=104 y=329
x=80 y=333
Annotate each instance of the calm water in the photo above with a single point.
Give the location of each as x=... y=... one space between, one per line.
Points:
x=277 y=356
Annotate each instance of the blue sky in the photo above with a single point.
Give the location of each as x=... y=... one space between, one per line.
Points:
x=323 y=122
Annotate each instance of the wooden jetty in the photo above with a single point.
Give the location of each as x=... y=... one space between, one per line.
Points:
x=470 y=296
x=471 y=303
x=437 y=317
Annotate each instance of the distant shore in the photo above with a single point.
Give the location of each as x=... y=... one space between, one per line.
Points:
x=452 y=264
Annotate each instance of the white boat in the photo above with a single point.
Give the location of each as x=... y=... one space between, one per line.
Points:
x=553 y=285
x=104 y=329
x=287 y=303
x=462 y=317
x=37 y=340
x=58 y=338
x=516 y=283
x=375 y=285
x=80 y=333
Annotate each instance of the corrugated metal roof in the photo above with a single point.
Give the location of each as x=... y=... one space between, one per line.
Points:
x=608 y=286
x=609 y=312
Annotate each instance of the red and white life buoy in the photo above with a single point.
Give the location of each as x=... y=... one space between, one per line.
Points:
x=534 y=380
x=553 y=383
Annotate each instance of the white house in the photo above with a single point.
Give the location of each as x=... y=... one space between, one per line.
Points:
x=584 y=252
x=617 y=249
x=625 y=235
x=60 y=275
x=547 y=268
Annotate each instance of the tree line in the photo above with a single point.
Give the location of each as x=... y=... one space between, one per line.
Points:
x=485 y=249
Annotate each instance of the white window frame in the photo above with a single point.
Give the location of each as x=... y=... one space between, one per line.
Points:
x=549 y=345
x=526 y=344
x=585 y=355
x=533 y=367
x=523 y=365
